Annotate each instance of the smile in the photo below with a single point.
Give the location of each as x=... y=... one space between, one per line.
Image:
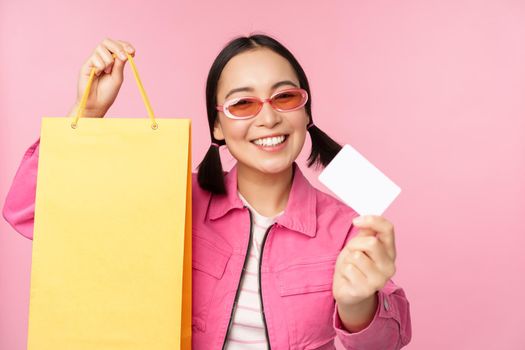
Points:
x=270 y=141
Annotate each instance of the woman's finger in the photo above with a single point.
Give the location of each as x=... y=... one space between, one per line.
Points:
x=356 y=279
x=373 y=248
x=107 y=57
x=128 y=47
x=116 y=48
x=384 y=229
x=97 y=62
x=374 y=277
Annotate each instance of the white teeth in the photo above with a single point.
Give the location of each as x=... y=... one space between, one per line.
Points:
x=269 y=141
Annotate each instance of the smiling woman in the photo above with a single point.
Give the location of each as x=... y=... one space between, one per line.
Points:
x=259 y=107
x=276 y=263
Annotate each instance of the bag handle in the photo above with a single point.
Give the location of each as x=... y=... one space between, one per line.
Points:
x=83 y=101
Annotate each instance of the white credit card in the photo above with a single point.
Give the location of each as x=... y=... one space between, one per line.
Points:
x=358 y=183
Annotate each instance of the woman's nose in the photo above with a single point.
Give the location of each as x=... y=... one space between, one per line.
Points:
x=268 y=116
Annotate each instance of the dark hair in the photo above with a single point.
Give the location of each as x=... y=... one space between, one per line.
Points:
x=210 y=173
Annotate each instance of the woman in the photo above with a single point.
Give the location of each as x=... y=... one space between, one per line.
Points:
x=276 y=262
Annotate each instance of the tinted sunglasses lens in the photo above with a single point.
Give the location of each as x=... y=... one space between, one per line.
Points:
x=287 y=100
x=244 y=108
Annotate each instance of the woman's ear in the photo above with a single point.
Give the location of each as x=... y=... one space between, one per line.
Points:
x=217 y=130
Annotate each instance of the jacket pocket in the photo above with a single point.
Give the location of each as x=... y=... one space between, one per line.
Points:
x=305 y=286
x=209 y=261
x=307 y=276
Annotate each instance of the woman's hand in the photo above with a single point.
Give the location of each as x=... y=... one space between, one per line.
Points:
x=108 y=76
x=366 y=263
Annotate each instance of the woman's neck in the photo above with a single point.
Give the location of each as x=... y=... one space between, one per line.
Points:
x=266 y=193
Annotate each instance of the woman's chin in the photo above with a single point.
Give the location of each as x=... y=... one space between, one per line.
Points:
x=273 y=166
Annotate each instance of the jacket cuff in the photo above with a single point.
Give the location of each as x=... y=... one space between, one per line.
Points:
x=19 y=205
x=32 y=149
x=382 y=333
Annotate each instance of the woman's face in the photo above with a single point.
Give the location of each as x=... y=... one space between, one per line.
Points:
x=259 y=70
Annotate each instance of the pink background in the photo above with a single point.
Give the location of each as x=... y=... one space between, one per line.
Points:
x=432 y=92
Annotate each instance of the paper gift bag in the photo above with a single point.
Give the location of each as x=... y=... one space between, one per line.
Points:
x=111 y=264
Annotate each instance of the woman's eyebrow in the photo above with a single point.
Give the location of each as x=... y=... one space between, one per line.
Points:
x=248 y=88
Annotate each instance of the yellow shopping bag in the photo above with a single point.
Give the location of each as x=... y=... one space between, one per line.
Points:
x=111 y=264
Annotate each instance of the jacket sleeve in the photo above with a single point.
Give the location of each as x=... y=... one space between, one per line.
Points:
x=391 y=327
x=19 y=206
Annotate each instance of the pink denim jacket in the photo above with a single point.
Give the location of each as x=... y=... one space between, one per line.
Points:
x=296 y=271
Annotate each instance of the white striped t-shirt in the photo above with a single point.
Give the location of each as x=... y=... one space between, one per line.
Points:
x=247 y=331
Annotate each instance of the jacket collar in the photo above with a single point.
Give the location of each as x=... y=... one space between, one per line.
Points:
x=300 y=212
